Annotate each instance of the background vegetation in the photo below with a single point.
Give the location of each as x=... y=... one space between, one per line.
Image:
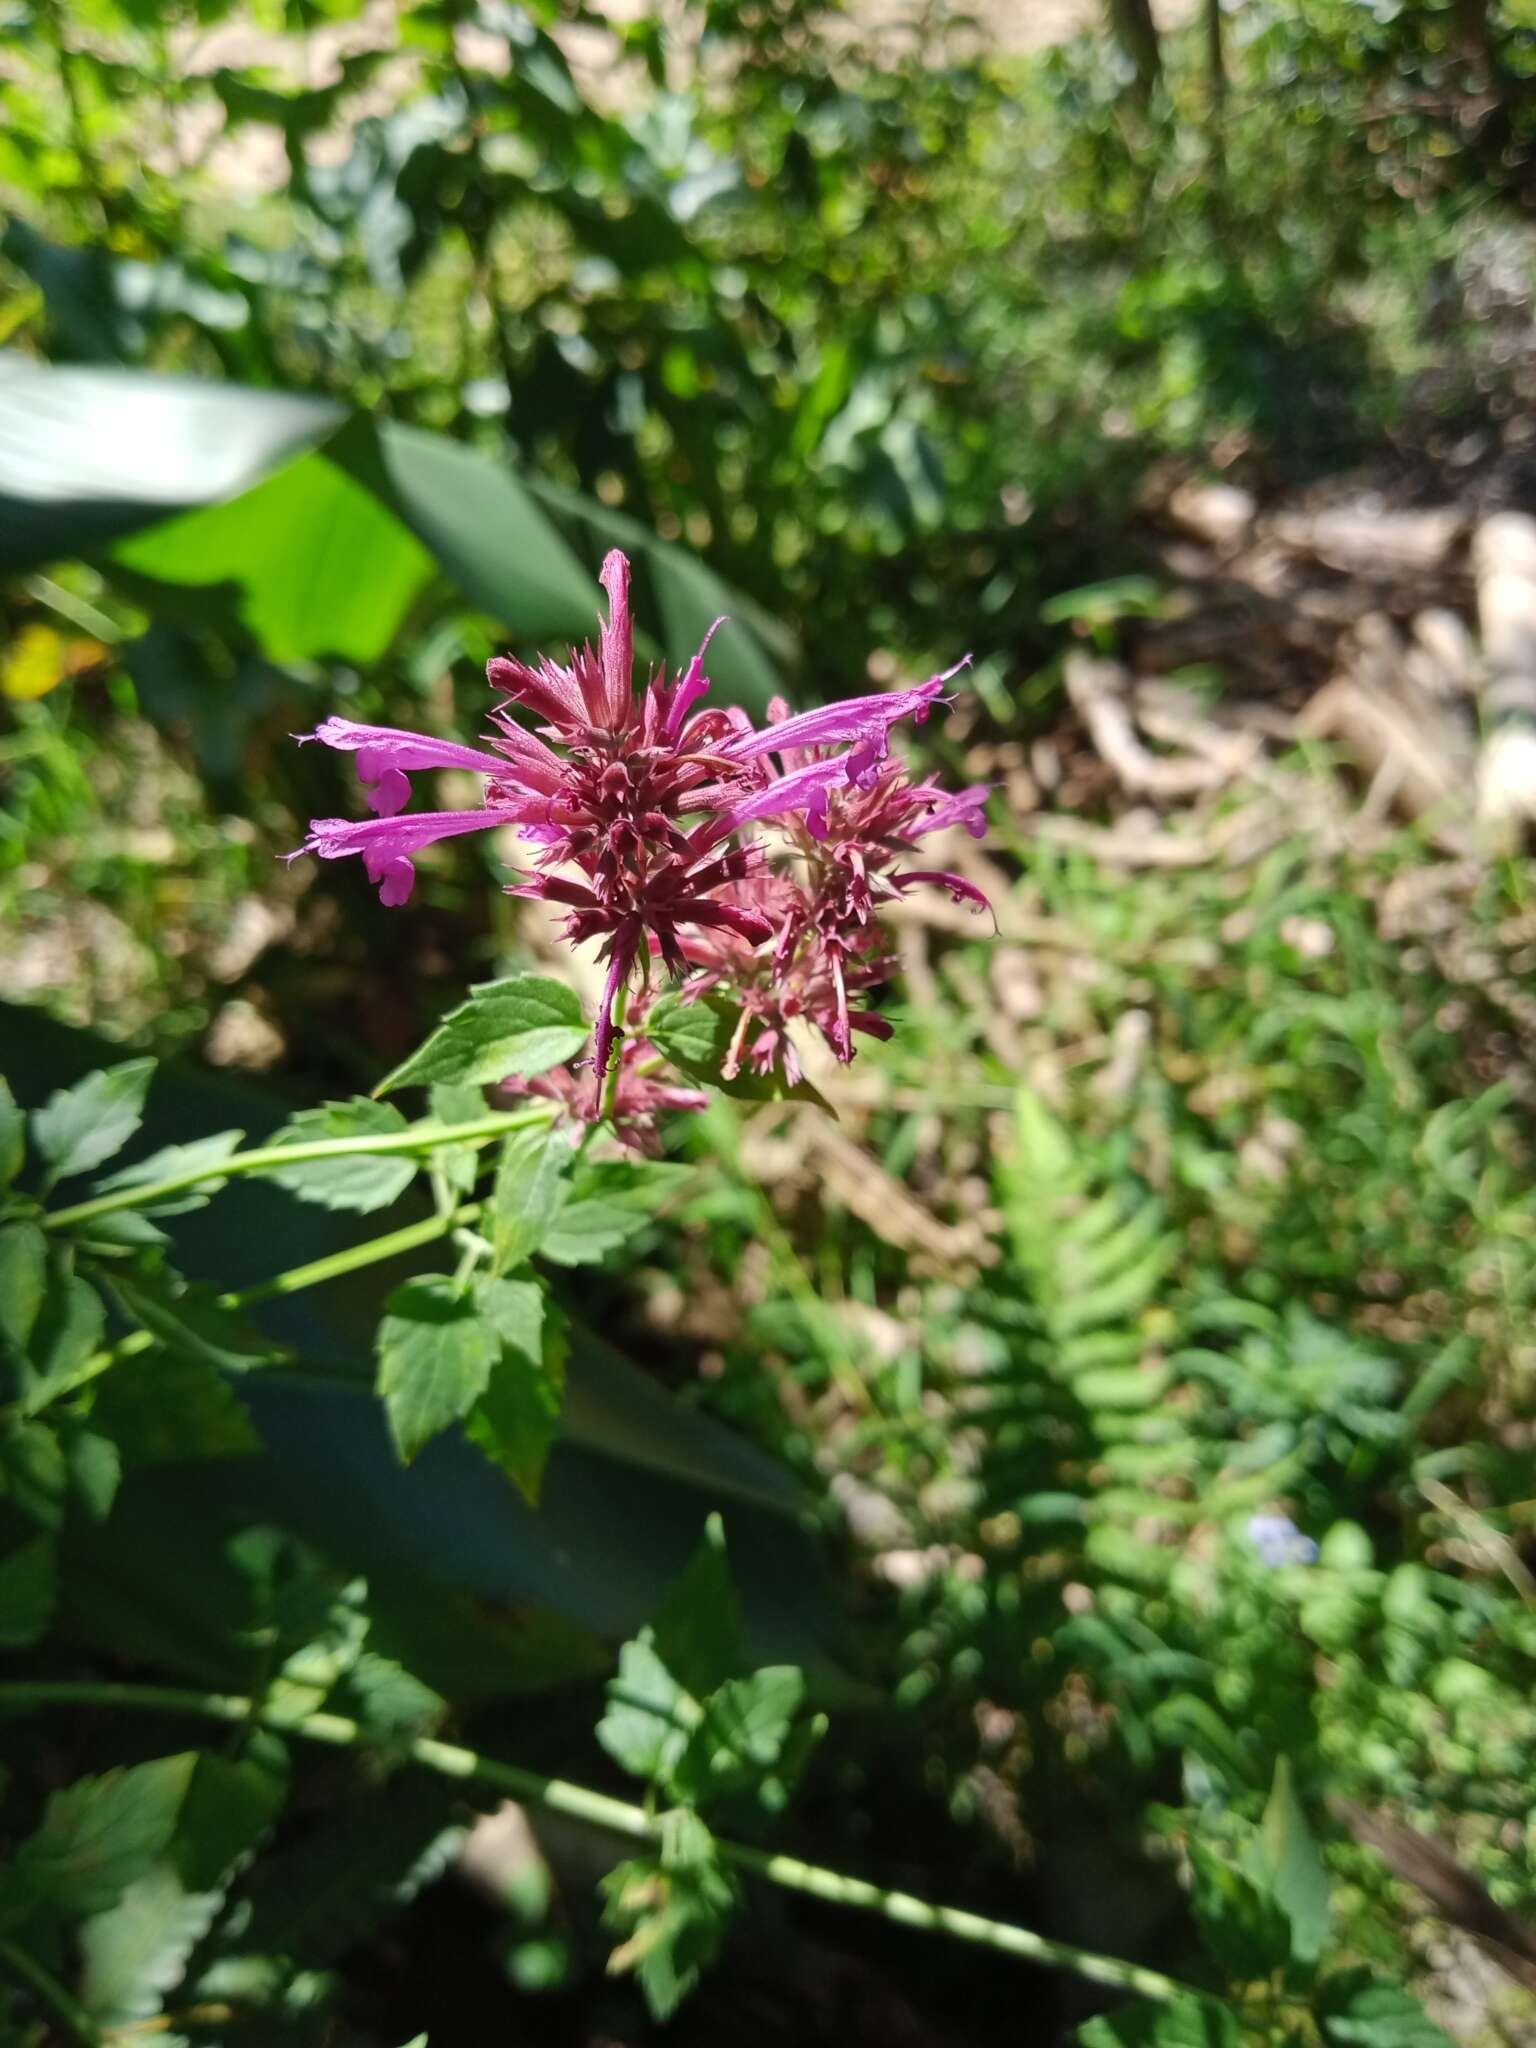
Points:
x=1121 y=1415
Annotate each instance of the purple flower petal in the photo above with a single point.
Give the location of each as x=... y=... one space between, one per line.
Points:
x=388 y=844
x=617 y=640
x=965 y=808
x=961 y=891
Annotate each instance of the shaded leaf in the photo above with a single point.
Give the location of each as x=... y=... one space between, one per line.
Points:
x=230 y=1805
x=517 y=1418
x=698 y=1631
x=1293 y=1867
x=1186 y=2023
x=23 y=1280
x=100 y=1834
x=520 y=1026
x=137 y=1951
x=168 y=1405
x=1358 y=2009
x=649 y=1716
x=28 y=1583
x=169 y=1163
x=77 y=1128
x=364 y=1181
x=530 y=1186
x=13 y=1136
x=435 y=1357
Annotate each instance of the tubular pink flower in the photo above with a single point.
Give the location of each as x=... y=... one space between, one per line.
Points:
x=386 y=755
x=865 y=721
x=388 y=844
x=640 y=812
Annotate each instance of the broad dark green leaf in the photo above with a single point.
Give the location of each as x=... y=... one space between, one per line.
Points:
x=317 y=530
x=435 y=1356
x=167 y=1405
x=529 y=1189
x=293 y=548
x=698 y=1630
x=77 y=1128
x=520 y=1026
x=23 y=1281
x=517 y=1418
x=230 y=1805
x=191 y=1321
x=13 y=1136
x=100 y=1834
x=1241 y=1924
x=28 y=1583
x=33 y=1471
x=364 y=1181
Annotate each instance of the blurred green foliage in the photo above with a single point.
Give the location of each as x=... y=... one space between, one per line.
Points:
x=1194 y=1464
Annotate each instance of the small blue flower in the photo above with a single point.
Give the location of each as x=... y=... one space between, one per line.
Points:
x=1278 y=1541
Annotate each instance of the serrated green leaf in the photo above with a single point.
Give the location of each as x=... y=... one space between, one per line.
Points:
x=387 y=1700
x=101 y=1834
x=137 y=1951
x=517 y=1418
x=192 y=1323
x=582 y=1233
x=522 y=1025
x=68 y=1331
x=169 y=1163
x=230 y=1805
x=13 y=1136
x=363 y=1181
x=649 y=1716
x=675 y=1914
x=746 y=1725
x=168 y=1405
x=699 y=1632
x=33 y=1472
x=1357 y=2009
x=696 y=1036
x=529 y=1189
x=23 y=1281
x=1293 y=1868
x=77 y=1128
x=435 y=1356
x=28 y=1584
x=452 y=1103
x=1244 y=1929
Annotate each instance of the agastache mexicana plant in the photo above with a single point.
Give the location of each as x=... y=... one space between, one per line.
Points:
x=640 y=816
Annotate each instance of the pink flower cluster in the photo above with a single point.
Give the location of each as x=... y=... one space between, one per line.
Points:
x=641 y=815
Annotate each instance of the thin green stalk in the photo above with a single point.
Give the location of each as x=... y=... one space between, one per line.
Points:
x=415 y=1138
x=74 y=2019
x=449 y=1760
x=314 y=1274
x=610 y=1094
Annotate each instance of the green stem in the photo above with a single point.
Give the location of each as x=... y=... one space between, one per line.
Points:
x=351 y=1260
x=610 y=1094
x=617 y=1815
x=74 y=2019
x=415 y=1138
